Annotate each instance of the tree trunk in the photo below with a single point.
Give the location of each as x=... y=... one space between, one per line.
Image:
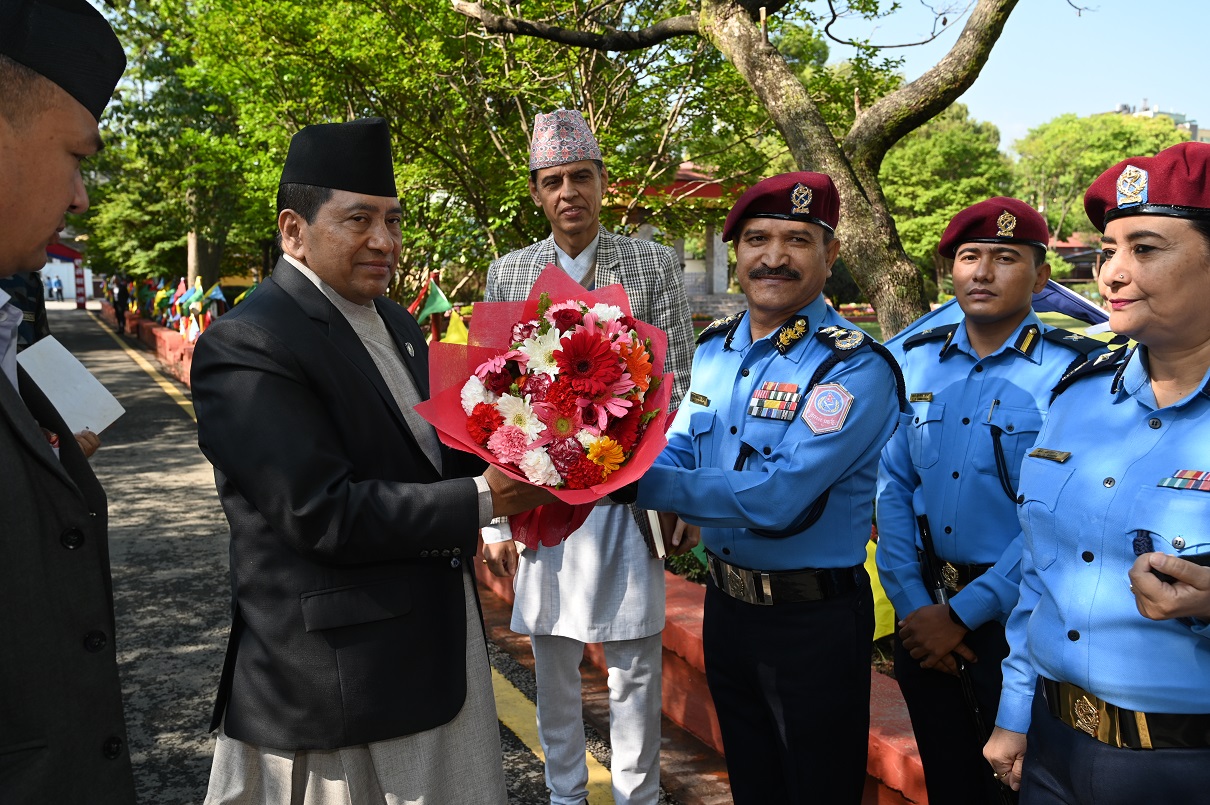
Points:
x=203 y=257
x=870 y=245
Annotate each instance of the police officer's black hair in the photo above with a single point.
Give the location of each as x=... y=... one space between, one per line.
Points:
x=26 y=92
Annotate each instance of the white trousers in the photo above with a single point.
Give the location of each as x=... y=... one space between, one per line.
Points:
x=634 y=717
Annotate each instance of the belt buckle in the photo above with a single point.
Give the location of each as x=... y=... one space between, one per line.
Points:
x=949 y=575
x=735 y=584
x=1085 y=715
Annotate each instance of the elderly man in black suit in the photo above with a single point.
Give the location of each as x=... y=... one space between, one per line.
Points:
x=356 y=669
x=62 y=733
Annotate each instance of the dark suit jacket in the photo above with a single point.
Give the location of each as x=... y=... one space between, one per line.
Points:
x=62 y=735
x=347 y=548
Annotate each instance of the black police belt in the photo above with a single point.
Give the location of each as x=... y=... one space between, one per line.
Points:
x=1117 y=726
x=955 y=575
x=783 y=586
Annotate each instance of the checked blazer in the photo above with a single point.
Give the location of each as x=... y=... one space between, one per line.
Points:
x=650 y=273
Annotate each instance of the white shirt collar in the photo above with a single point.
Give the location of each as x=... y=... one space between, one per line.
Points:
x=578 y=267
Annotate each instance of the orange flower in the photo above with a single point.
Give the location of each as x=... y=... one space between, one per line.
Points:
x=638 y=363
x=607 y=454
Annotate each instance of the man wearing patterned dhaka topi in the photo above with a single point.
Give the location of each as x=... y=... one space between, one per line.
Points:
x=601 y=585
x=356 y=668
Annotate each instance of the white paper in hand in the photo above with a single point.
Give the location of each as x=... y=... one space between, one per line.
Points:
x=78 y=396
x=657 y=535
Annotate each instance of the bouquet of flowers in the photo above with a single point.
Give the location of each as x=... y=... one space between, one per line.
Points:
x=564 y=390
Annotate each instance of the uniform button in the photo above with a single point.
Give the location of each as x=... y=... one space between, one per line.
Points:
x=446 y=552
x=949 y=530
x=455 y=563
x=1109 y=482
x=1178 y=542
x=112 y=747
x=1020 y=498
x=917 y=422
x=72 y=538
x=955 y=473
x=1009 y=429
x=965 y=420
x=734 y=429
x=727 y=551
x=424 y=554
x=95 y=641
x=1154 y=423
x=745 y=373
x=978 y=368
x=1087 y=556
x=767 y=450
x=457 y=552
x=1073 y=635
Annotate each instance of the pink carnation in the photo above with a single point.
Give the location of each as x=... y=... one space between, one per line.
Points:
x=523 y=330
x=508 y=444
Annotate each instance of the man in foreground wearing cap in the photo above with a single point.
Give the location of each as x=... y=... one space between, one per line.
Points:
x=61 y=724
x=774 y=454
x=1105 y=695
x=356 y=668
x=978 y=392
x=602 y=585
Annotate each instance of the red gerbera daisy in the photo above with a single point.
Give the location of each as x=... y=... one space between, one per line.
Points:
x=587 y=362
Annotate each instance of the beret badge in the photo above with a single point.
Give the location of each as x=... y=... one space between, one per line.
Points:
x=1132 y=186
x=1005 y=225
x=800 y=198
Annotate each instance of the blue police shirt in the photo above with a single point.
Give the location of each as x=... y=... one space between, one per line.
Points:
x=1109 y=470
x=943 y=455
x=791 y=465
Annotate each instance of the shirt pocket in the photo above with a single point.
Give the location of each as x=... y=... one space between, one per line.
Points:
x=701 y=431
x=1042 y=482
x=1019 y=429
x=924 y=438
x=1176 y=519
x=764 y=436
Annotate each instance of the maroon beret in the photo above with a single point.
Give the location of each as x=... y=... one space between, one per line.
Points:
x=1173 y=182
x=801 y=196
x=997 y=220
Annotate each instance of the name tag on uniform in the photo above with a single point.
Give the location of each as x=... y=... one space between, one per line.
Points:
x=1050 y=455
x=698 y=399
x=921 y=396
x=775 y=401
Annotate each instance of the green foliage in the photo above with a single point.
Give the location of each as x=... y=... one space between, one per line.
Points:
x=1061 y=158
x=1059 y=268
x=937 y=171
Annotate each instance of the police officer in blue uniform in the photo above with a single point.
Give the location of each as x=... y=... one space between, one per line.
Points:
x=1107 y=688
x=774 y=454
x=978 y=392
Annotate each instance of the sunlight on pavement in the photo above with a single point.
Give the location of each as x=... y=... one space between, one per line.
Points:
x=169 y=389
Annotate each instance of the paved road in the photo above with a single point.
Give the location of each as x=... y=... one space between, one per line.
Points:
x=168 y=543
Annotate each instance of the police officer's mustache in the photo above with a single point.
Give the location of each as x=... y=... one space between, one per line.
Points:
x=777 y=271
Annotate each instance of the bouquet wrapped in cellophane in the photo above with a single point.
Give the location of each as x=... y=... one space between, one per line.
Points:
x=564 y=390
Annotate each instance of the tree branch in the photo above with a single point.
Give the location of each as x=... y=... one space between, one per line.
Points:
x=942 y=17
x=910 y=106
x=685 y=25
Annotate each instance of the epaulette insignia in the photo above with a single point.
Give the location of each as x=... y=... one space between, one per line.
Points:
x=726 y=325
x=1105 y=362
x=1027 y=340
x=945 y=331
x=841 y=339
x=789 y=334
x=1080 y=343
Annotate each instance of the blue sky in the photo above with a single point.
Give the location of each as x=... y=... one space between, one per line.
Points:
x=1049 y=61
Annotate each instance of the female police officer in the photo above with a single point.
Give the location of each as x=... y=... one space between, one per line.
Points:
x=1107 y=657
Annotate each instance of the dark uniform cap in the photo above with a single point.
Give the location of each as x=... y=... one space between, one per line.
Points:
x=997 y=220
x=66 y=41
x=800 y=196
x=354 y=156
x=1173 y=183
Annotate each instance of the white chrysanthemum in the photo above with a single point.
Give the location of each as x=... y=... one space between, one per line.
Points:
x=587 y=438
x=473 y=393
x=517 y=412
x=539 y=469
x=541 y=352
x=605 y=312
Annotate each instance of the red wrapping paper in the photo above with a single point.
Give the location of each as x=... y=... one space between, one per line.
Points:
x=450 y=365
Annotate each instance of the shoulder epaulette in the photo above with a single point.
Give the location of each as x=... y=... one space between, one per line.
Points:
x=1109 y=361
x=726 y=325
x=942 y=331
x=1080 y=343
x=841 y=340
x=845 y=343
